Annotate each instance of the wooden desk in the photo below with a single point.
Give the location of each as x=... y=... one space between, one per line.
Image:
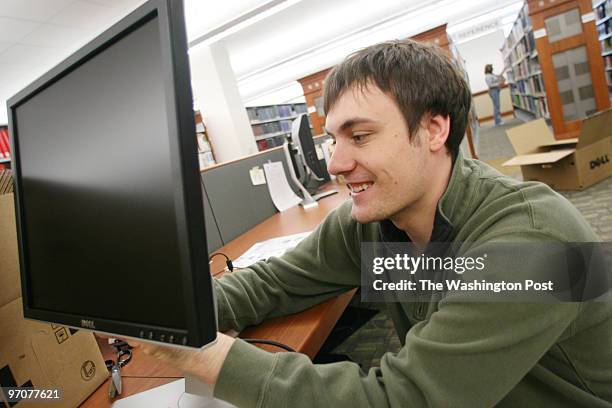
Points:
x=305 y=332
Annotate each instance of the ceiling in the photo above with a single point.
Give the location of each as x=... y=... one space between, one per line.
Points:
x=270 y=42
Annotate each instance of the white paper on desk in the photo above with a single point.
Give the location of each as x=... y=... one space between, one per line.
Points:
x=265 y=249
x=282 y=195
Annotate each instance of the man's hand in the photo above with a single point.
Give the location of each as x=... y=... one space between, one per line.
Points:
x=204 y=364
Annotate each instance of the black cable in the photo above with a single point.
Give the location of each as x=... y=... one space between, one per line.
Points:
x=228 y=261
x=205 y=193
x=270 y=343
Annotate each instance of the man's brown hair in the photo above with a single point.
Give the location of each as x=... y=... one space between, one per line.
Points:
x=421 y=78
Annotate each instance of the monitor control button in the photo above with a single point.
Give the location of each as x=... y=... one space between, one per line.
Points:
x=171 y=339
x=162 y=338
x=150 y=335
x=184 y=341
x=141 y=334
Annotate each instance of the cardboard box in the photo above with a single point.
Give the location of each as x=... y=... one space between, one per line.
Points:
x=570 y=164
x=35 y=354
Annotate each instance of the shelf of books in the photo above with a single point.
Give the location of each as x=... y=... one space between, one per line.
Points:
x=206 y=155
x=271 y=124
x=5 y=150
x=523 y=71
x=603 y=22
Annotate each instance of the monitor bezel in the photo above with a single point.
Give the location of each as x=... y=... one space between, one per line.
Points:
x=198 y=295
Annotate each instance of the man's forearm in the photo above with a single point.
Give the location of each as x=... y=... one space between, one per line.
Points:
x=204 y=364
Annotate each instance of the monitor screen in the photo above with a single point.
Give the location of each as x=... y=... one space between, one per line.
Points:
x=109 y=204
x=307 y=147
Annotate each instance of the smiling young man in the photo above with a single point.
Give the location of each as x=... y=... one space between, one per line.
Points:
x=398 y=112
x=384 y=164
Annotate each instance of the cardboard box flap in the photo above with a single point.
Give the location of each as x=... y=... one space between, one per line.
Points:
x=528 y=137
x=595 y=127
x=48 y=356
x=561 y=142
x=10 y=283
x=539 y=158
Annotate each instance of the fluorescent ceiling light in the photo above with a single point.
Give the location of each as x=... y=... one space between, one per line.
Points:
x=344 y=44
x=510 y=11
x=241 y=22
x=325 y=54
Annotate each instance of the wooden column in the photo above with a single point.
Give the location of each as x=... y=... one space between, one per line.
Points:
x=313 y=92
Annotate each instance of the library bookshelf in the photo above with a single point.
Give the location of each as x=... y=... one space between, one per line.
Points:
x=272 y=123
x=5 y=149
x=206 y=154
x=554 y=65
x=523 y=71
x=603 y=23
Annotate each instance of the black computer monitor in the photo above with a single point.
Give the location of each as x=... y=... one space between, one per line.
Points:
x=306 y=146
x=108 y=196
x=303 y=163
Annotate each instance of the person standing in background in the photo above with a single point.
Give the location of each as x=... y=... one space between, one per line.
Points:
x=494 y=82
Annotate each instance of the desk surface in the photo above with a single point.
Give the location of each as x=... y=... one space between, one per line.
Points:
x=304 y=332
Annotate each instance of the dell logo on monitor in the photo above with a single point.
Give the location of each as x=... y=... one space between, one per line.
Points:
x=89 y=324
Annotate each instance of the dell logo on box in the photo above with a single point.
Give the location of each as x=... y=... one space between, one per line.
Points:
x=599 y=161
x=89 y=324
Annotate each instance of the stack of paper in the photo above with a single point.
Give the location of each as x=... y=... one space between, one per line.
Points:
x=272 y=247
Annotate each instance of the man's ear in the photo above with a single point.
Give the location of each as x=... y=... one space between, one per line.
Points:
x=437 y=127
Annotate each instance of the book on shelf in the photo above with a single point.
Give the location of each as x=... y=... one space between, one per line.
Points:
x=524 y=73
x=5 y=149
x=203 y=144
x=603 y=22
x=270 y=124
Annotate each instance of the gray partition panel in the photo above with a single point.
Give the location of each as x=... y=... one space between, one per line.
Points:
x=237 y=204
x=213 y=236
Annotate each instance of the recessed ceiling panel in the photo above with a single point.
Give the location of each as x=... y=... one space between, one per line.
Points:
x=12 y=30
x=33 y=10
x=51 y=35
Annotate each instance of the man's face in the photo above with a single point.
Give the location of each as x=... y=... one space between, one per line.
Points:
x=383 y=168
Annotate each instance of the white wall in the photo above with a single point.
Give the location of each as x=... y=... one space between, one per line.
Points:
x=479 y=52
x=484 y=106
x=291 y=93
x=216 y=93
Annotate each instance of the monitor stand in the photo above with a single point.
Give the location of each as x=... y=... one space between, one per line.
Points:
x=184 y=393
x=309 y=201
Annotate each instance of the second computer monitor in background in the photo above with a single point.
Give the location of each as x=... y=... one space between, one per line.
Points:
x=308 y=167
x=302 y=137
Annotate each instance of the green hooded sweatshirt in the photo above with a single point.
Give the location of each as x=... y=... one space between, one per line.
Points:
x=454 y=354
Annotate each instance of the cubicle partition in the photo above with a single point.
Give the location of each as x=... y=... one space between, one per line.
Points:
x=232 y=204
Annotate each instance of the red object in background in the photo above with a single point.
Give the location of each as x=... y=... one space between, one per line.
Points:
x=5 y=150
x=262 y=144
